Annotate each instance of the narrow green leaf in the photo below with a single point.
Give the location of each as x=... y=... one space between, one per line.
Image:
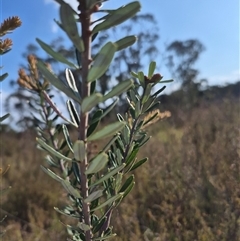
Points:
x=119 y=89
x=93 y=123
x=131 y=107
x=57 y=83
x=94 y=203
x=79 y=150
x=3 y=77
x=153 y=106
x=83 y=226
x=4 y=117
x=165 y=81
x=134 y=74
x=112 y=157
x=120 y=147
x=101 y=61
x=94 y=36
x=66 y=214
x=147 y=92
x=107 y=131
x=109 y=201
x=56 y=55
x=126 y=134
x=59 y=24
x=91 y=101
x=97 y=164
x=118 y=181
x=70 y=26
x=92 y=128
x=110 y=143
x=109 y=108
x=151 y=101
x=73 y=113
x=139 y=126
x=159 y=91
x=76 y=172
x=67 y=137
x=118 y=16
x=51 y=150
x=127 y=183
x=128 y=190
x=78 y=57
x=125 y=42
x=70 y=189
x=120 y=118
x=133 y=96
x=51 y=161
x=138 y=164
x=143 y=140
x=93 y=196
x=108 y=175
x=150 y=119
x=51 y=174
x=70 y=80
x=137 y=108
x=99 y=224
x=93 y=86
x=132 y=156
x=151 y=69
x=141 y=78
x=96 y=116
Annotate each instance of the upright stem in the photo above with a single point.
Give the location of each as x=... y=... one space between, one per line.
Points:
x=85 y=18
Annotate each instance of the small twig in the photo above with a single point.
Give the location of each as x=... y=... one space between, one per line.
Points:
x=49 y=131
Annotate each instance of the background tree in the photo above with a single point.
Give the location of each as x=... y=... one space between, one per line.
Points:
x=182 y=55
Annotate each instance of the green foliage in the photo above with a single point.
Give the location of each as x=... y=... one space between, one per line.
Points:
x=94 y=183
x=115 y=17
x=102 y=61
x=69 y=25
x=4 y=117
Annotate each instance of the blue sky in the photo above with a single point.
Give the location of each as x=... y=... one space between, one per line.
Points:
x=214 y=22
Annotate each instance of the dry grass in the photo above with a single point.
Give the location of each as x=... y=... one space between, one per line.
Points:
x=189 y=190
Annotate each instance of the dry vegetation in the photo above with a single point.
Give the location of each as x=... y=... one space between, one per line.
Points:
x=189 y=190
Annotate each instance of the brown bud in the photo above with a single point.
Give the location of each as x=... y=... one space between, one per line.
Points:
x=155 y=78
x=95 y=8
x=146 y=79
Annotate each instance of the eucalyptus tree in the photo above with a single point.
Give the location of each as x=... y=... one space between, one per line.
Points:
x=180 y=60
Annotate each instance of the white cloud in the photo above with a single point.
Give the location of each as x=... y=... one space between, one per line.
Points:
x=232 y=77
x=72 y=3
x=54 y=27
x=3 y=95
x=51 y=1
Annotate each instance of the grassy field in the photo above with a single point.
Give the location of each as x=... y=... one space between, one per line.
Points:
x=189 y=190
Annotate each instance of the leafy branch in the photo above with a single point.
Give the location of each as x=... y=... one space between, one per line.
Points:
x=94 y=183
